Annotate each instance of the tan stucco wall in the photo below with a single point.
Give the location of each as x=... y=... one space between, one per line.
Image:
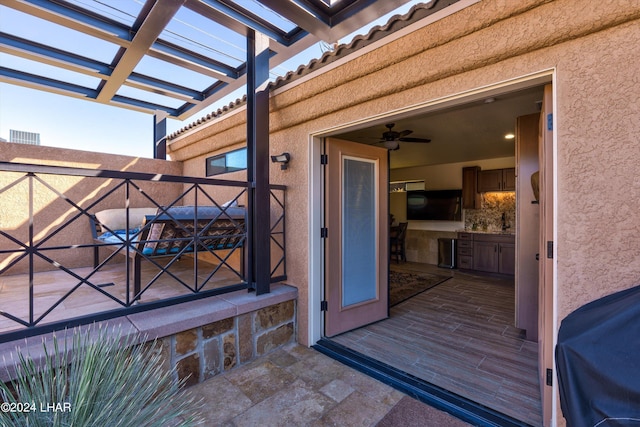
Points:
x=50 y=211
x=598 y=157
x=593 y=47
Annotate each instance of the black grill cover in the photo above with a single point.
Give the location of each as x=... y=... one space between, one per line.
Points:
x=598 y=362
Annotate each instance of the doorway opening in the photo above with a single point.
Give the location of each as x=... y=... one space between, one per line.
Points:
x=461 y=334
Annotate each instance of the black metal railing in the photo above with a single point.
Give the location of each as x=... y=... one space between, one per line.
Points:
x=65 y=260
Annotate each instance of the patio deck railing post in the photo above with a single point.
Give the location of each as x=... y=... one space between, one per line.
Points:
x=30 y=250
x=258 y=161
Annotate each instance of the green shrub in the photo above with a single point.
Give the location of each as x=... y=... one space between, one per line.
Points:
x=94 y=377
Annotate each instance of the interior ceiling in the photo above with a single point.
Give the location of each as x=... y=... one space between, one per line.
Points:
x=472 y=131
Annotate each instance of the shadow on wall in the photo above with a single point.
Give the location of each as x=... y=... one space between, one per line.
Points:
x=52 y=195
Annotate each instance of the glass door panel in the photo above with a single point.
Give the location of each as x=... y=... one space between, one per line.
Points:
x=359 y=278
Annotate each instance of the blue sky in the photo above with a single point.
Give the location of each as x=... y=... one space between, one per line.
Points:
x=74 y=123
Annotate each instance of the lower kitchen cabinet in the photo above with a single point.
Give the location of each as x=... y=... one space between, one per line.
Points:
x=491 y=253
x=507 y=258
x=485 y=256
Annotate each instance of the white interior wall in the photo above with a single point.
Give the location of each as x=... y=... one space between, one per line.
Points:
x=437 y=177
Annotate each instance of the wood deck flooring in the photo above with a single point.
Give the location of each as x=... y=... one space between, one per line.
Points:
x=460 y=336
x=51 y=286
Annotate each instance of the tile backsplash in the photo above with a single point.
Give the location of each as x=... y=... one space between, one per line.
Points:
x=489 y=216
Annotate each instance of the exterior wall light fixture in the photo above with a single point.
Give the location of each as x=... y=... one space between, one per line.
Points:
x=283 y=159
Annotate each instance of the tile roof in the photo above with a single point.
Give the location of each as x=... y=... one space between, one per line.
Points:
x=394 y=24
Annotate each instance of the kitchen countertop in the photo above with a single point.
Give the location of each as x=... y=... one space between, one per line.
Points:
x=500 y=232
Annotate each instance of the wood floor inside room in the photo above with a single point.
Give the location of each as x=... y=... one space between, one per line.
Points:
x=459 y=335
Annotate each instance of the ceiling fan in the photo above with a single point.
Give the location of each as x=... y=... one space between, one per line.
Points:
x=391 y=139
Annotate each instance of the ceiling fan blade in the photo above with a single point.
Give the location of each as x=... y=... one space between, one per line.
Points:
x=405 y=132
x=415 y=140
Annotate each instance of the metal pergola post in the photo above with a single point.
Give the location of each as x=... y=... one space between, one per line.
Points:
x=259 y=265
x=160 y=136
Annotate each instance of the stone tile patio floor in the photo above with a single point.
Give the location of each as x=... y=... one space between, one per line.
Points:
x=294 y=386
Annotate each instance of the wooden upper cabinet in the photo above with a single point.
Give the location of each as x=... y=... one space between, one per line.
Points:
x=490 y=180
x=471 y=198
x=497 y=180
x=509 y=179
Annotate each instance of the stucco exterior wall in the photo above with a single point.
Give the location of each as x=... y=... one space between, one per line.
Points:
x=598 y=152
x=51 y=211
x=590 y=48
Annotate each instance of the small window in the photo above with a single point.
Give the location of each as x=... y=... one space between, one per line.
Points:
x=228 y=162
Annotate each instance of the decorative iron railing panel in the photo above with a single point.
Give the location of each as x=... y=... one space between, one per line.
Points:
x=79 y=245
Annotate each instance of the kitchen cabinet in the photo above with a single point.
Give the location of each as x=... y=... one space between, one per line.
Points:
x=509 y=179
x=471 y=199
x=490 y=180
x=507 y=258
x=491 y=253
x=465 y=251
x=485 y=256
x=497 y=180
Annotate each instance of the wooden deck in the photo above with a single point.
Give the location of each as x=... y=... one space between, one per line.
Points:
x=49 y=287
x=460 y=336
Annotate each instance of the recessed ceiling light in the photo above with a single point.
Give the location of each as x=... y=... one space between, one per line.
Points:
x=509 y=136
x=489 y=100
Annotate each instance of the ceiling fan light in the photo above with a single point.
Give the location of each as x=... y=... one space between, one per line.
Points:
x=391 y=145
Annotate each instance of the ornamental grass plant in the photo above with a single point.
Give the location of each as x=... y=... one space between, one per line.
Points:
x=96 y=377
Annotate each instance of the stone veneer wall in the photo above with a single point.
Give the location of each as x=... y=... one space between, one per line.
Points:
x=205 y=351
x=200 y=338
x=422 y=245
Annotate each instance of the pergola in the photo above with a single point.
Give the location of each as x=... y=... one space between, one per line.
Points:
x=174 y=58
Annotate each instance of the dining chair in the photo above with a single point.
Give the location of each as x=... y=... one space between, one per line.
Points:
x=398 y=243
